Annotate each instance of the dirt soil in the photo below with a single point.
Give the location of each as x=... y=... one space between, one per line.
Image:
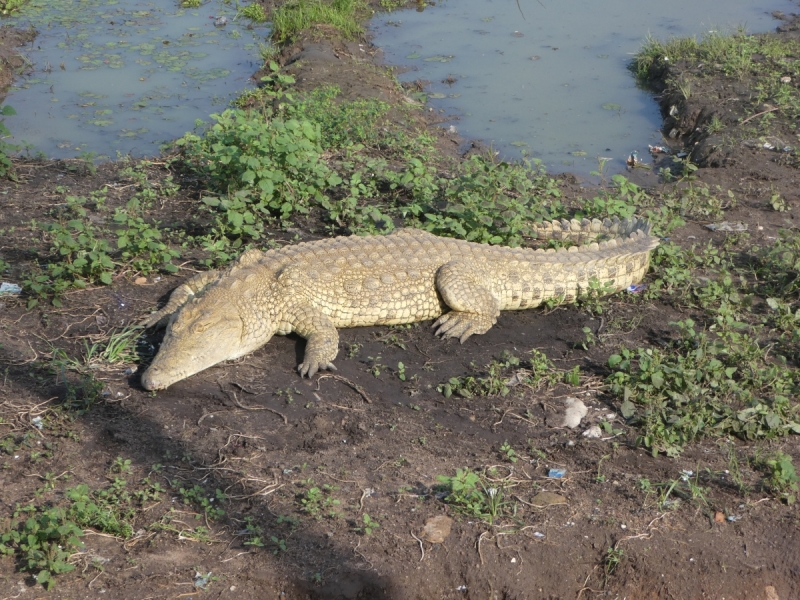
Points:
x=373 y=443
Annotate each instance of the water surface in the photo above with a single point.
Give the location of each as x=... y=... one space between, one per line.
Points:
x=551 y=79
x=123 y=76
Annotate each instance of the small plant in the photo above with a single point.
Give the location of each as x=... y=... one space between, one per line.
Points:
x=196 y=495
x=42 y=543
x=470 y=493
x=782 y=479
x=369 y=525
x=508 y=452
x=613 y=557
x=255 y=12
x=280 y=545
x=121 y=465
x=317 y=500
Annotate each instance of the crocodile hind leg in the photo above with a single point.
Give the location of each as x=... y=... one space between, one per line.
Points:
x=474 y=307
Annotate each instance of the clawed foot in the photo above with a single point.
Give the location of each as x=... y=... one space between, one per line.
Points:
x=462 y=325
x=309 y=368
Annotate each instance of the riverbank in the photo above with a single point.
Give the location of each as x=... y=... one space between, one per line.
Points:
x=246 y=481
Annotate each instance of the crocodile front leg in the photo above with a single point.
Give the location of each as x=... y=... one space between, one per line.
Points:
x=181 y=295
x=474 y=307
x=322 y=340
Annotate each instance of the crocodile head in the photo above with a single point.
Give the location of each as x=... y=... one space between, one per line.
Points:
x=206 y=331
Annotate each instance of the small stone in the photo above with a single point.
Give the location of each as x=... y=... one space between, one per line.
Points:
x=437 y=529
x=771 y=593
x=544 y=499
x=140 y=280
x=786 y=79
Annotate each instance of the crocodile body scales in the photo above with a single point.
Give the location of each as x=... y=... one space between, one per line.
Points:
x=314 y=288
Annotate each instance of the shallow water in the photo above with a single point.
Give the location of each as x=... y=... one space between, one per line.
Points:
x=123 y=76
x=553 y=84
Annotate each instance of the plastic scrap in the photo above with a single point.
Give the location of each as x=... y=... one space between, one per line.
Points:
x=593 y=433
x=9 y=289
x=659 y=149
x=636 y=288
x=574 y=413
x=201 y=581
x=556 y=473
x=37 y=422
x=727 y=226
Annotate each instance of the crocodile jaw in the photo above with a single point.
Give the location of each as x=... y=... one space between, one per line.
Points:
x=200 y=337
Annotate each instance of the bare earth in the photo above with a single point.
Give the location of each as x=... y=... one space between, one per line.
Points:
x=374 y=443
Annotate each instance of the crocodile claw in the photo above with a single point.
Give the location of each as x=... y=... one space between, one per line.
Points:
x=310 y=369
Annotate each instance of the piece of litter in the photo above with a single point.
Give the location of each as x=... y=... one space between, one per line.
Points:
x=37 y=422
x=9 y=289
x=556 y=473
x=733 y=518
x=538 y=534
x=461 y=588
x=575 y=411
x=545 y=499
x=593 y=433
x=513 y=560
x=658 y=149
x=727 y=226
x=636 y=288
x=201 y=581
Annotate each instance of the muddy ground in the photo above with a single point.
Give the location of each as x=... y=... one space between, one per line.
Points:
x=373 y=443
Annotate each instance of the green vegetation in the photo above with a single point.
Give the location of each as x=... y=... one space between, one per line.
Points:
x=84 y=251
x=764 y=60
x=294 y=16
x=255 y=12
x=42 y=542
x=9 y=6
x=478 y=495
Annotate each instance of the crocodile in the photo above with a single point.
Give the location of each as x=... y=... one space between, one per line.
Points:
x=410 y=275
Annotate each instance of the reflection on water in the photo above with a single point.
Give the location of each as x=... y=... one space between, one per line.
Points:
x=125 y=75
x=550 y=78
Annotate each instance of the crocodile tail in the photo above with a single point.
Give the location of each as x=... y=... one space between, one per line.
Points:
x=589 y=230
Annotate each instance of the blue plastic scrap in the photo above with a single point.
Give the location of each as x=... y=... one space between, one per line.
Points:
x=556 y=473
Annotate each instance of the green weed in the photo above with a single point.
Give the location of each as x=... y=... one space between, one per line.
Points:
x=255 y=12
x=705 y=383
x=291 y=18
x=474 y=495
x=781 y=477
x=42 y=543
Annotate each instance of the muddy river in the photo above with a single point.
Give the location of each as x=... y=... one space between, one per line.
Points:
x=551 y=79
x=116 y=77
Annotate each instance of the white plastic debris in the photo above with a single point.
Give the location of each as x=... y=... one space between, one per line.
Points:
x=593 y=433
x=37 y=422
x=575 y=411
x=727 y=226
x=9 y=289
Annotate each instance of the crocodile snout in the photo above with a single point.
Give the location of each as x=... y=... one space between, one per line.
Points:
x=153 y=379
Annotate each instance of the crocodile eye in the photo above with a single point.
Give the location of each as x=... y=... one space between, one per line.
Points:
x=200 y=327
